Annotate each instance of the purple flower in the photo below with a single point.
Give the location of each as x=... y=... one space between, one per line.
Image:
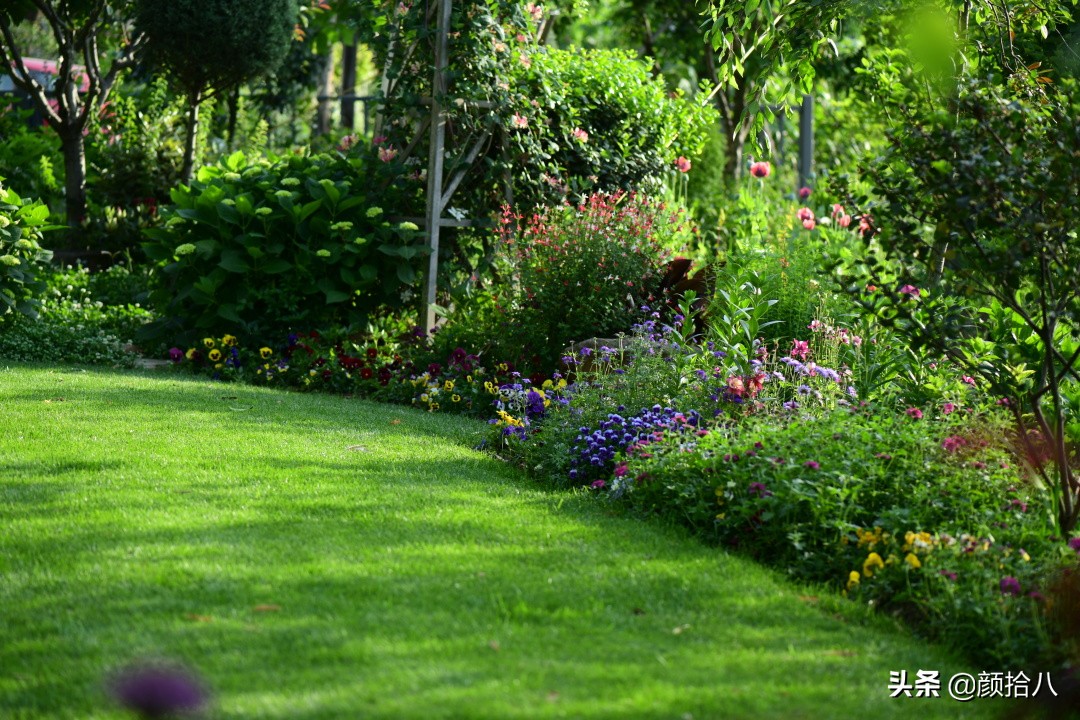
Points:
x=1010 y=586
x=812 y=464
x=804 y=192
x=158 y=691
x=946 y=573
x=598 y=485
x=759 y=489
x=176 y=354
x=1075 y=544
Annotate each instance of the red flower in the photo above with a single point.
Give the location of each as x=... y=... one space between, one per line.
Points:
x=760 y=169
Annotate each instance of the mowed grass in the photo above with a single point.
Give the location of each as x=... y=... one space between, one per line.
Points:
x=320 y=557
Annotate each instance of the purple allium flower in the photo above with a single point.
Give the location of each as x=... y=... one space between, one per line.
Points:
x=158 y=691
x=1075 y=544
x=1010 y=586
x=812 y=464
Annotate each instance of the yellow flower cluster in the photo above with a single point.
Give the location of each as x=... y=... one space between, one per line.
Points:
x=869 y=538
x=506 y=419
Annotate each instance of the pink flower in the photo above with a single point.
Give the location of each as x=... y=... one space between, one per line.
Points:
x=948 y=408
x=760 y=169
x=837 y=210
x=805 y=214
x=535 y=10
x=812 y=464
x=525 y=60
x=620 y=469
x=800 y=349
x=519 y=121
x=598 y=485
x=866 y=224
x=815 y=325
x=580 y=135
x=910 y=291
x=915 y=413
x=809 y=224
x=953 y=443
x=843 y=221
x=387 y=154
x=968 y=379
x=378 y=140
x=682 y=164
x=346 y=142
x=804 y=192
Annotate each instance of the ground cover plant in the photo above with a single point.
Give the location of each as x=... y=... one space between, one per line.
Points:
x=308 y=555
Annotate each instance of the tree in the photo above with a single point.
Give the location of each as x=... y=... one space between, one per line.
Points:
x=208 y=46
x=79 y=28
x=974 y=196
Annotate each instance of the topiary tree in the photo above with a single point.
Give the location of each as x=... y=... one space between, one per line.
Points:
x=208 y=46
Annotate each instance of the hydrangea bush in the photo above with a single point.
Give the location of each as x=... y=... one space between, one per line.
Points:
x=21 y=256
x=267 y=248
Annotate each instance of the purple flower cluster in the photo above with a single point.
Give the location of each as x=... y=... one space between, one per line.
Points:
x=592 y=456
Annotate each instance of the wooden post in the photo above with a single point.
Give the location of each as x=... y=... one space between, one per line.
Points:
x=348 y=86
x=435 y=161
x=806 y=140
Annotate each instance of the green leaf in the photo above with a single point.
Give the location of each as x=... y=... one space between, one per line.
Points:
x=228 y=312
x=405 y=273
x=277 y=266
x=233 y=261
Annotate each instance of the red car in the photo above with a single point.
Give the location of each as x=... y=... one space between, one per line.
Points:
x=45 y=72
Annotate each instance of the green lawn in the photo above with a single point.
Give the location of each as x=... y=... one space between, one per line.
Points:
x=407 y=576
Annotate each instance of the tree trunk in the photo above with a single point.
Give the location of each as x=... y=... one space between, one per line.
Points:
x=192 y=138
x=74 y=149
x=326 y=88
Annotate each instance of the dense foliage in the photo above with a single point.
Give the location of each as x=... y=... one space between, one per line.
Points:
x=22 y=258
x=268 y=248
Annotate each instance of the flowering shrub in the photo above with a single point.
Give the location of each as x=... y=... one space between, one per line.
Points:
x=265 y=249
x=21 y=257
x=580 y=272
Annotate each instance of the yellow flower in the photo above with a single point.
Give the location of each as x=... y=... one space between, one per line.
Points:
x=265 y=353
x=218 y=366
x=215 y=355
x=853 y=579
x=209 y=342
x=548 y=385
x=1024 y=555
x=190 y=354
x=424 y=397
x=229 y=340
x=873 y=560
x=913 y=561
x=455 y=397
x=448 y=385
x=489 y=387
x=433 y=407
x=468 y=378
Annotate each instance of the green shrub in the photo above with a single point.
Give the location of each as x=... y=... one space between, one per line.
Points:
x=572 y=273
x=596 y=120
x=266 y=248
x=21 y=255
